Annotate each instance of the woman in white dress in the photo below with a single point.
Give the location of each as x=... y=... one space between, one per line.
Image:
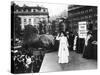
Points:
x=63 y=52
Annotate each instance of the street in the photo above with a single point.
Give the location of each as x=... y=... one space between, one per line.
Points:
x=76 y=62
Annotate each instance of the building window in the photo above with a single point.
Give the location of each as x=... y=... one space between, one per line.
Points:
x=37 y=20
x=69 y=15
x=31 y=10
x=86 y=17
x=22 y=10
x=34 y=10
x=82 y=18
x=34 y=20
x=95 y=21
x=74 y=13
x=25 y=21
x=95 y=15
x=89 y=16
x=29 y=21
x=83 y=12
x=16 y=10
x=90 y=10
x=79 y=13
x=26 y=10
x=86 y=11
x=44 y=10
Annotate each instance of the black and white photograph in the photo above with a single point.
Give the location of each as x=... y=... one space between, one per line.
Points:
x=53 y=37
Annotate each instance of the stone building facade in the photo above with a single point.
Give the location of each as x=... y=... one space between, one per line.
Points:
x=78 y=13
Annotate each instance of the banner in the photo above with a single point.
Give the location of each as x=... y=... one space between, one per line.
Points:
x=82 y=29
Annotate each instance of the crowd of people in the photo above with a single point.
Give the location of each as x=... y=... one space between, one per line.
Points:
x=70 y=42
x=27 y=54
x=26 y=62
x=86 y=46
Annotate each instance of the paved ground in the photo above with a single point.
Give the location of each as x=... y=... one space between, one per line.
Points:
x=50 y=63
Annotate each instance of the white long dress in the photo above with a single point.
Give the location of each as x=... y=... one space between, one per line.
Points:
x=63 y=51
x=75 y=40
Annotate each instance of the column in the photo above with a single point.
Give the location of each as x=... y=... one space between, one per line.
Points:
x=32 y=21
x=27 y=21
x=22 y=23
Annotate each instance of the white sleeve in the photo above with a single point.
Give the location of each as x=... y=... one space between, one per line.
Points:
x=57 y=38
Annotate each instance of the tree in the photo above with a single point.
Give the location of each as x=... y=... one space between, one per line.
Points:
x=30 y=37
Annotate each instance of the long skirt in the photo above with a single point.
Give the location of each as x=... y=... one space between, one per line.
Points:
x=63 y=55
x=88 y=52
x=63 y=59
x=80 y=45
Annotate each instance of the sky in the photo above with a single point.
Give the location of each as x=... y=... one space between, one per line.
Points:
x=53 y=8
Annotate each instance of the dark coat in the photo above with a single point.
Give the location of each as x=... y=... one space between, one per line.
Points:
x=88 y=50
x=80 y=45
